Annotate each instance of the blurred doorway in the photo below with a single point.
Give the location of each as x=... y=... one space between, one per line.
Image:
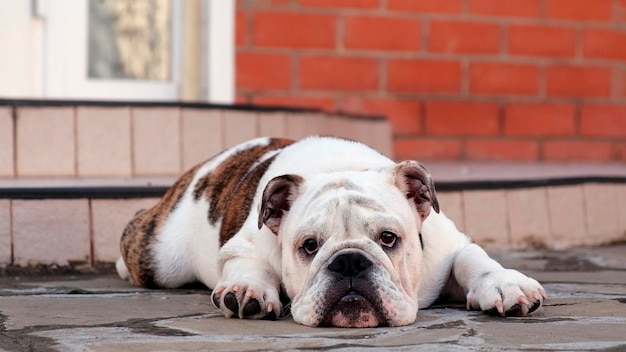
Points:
x=120 y=49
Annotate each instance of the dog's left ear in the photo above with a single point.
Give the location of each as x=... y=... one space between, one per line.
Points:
x=415 y=182
x=278 y=196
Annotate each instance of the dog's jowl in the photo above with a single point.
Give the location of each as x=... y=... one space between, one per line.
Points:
x=352 y=238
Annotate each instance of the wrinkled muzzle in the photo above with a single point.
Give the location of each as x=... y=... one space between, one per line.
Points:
x=350 y=287
x=352 y=298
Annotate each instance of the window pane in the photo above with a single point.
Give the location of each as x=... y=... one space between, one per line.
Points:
x=129 y=39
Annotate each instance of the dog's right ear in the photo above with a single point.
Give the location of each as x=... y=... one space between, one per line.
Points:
x=415 y=182
x=278 y=196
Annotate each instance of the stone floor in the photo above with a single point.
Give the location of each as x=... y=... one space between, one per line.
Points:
x=586 y=311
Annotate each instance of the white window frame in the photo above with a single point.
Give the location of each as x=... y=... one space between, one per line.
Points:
x=219 y=30
x=65 y=56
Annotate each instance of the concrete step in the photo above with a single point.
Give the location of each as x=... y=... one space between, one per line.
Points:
x=507 y=206
x=49 y=139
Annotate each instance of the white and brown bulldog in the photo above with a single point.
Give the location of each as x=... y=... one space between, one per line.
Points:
x=350 y=237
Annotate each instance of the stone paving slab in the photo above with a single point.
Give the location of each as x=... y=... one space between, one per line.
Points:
x=586 y=311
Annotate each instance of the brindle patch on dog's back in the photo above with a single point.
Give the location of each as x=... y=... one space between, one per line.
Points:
x=138 y=236
x=231 y=187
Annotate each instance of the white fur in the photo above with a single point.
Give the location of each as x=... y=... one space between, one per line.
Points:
x=187 y=248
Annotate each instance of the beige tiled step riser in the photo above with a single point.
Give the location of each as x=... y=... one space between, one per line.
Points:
x=6 y=143
x=60 y=231
x=139 y=141
x=5 y=231
x=557 y=217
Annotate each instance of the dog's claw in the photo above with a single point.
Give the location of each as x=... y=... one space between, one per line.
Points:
x=493 y=312
x=535 y=306
x=230 y=301
x=500 y=308
x=514 y=311
x=216 y=300
x=270 y=316
x=506 y=293
x=251 y=308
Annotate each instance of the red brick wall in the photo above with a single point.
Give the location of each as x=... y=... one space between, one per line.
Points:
x=459 y=79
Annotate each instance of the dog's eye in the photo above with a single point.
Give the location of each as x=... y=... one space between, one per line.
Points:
x=387 y=239
x=310 y=246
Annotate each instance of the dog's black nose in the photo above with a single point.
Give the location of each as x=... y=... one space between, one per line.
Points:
x=350 y=264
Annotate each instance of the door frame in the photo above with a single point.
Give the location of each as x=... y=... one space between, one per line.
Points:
x=64 y=72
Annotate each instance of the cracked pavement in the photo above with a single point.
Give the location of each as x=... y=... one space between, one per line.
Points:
x=586 y=310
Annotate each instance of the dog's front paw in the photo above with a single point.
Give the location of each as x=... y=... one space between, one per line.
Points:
x=506 y=292
x=247 y=300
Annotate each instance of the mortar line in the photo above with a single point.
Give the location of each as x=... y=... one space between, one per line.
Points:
x=92 y=258
x=75 y=130
x=131 y=122
x=14 y=132
x=11 y=235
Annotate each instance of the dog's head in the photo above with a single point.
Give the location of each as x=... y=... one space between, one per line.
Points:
x=351 y=251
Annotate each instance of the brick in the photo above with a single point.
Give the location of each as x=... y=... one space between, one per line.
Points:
x=512 y=8
x=603 y=121
x=540 y=40
x=293 y=30
x=501 y=150
x=579 y=10
x=382 y=33
x=461 y=118
x=577 y=151
x=604 y=44
x=486 y=218
x=346 y=4
x=621 y=152
x=103 y=147
x=274 y=3
x=424 y=76
x=405 y=114
x=241 y=28
x=156 y=141
x=338 y=73
x=539 y=119
x=263 y=71
x=620 y=13
x=51 y=231
x=578 y=81
x=464 y=37
x=324 y=103
x=427 y=149
x=502 y=78
x=426 y=6
x=40 y=152
x=7 y=166
x=242 y=99
x=567 y=216
x=529 y=218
